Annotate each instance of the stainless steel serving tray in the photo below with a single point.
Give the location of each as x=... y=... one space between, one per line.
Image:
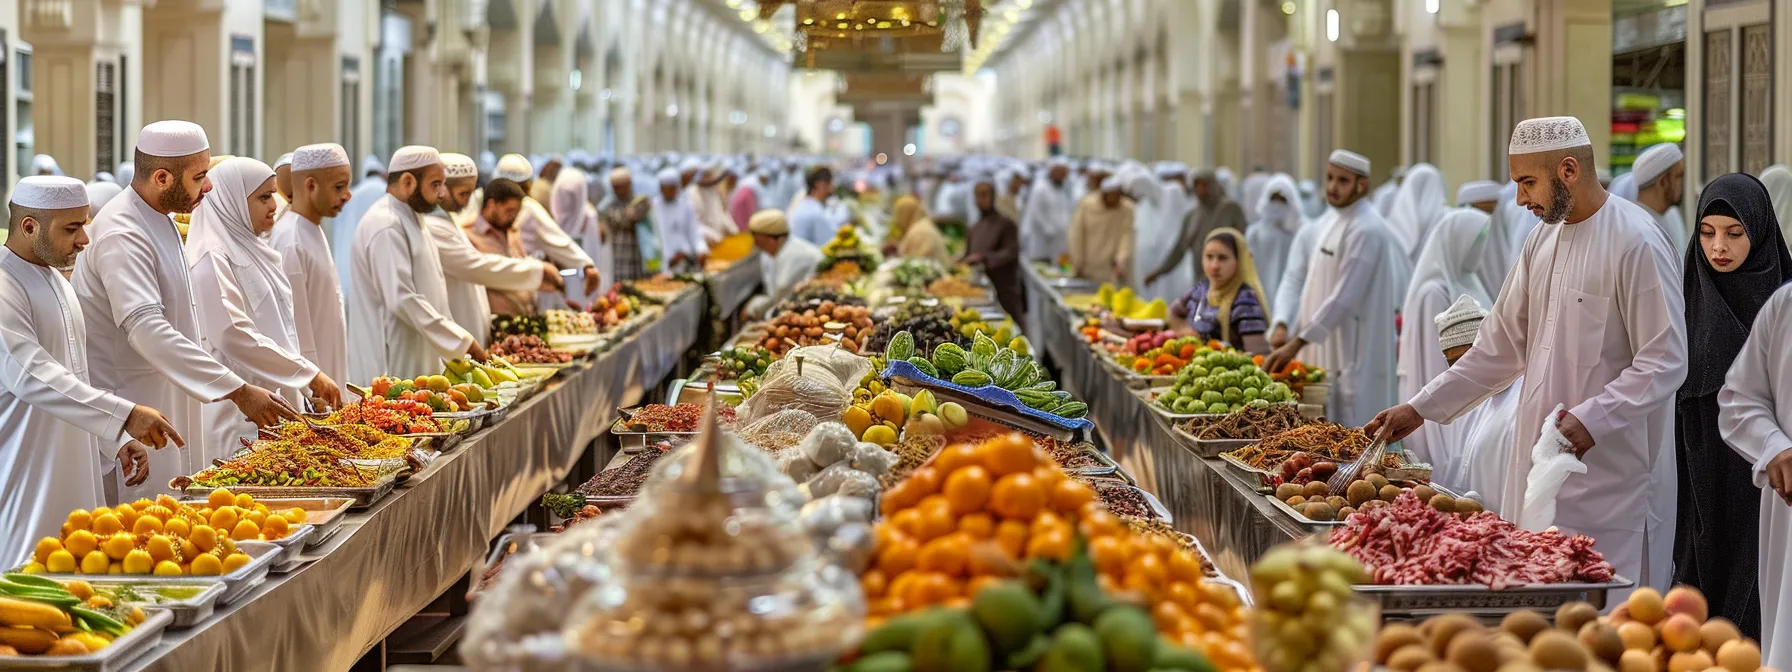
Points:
x=121 y=654
x=236 y=584
x=360 y=498
x=187 y=612
x=1423 y=601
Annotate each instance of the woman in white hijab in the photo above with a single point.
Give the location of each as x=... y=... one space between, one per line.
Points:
x=1446 y=270
x=1778 y=180
x=570 y=203
x=244 y=300
x=1272 y=234
x=1417 y=206
x=1155 y=225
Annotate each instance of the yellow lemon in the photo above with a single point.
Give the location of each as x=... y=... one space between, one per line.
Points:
x=275 y=527
x=127 y=515
x=45 y=547
x=161 y=548
x=262 y=509
x=207 y=565
x=141 y=504
x=60 y=562
x=119 y=545
x=224 y=518
x=167 y=501
x=188 y=550
x=258 y=517
x=82 y=590
x=94 y=562
x=80 y=543
x=66 y=529
x=204 y=537
x=101 y=511
x=227 y=545
x=295 y=515
x=177 y=527
x=245 y=501
x=246 y=530
x=160 y=512
x=220 y=498
x=106 y=524
x=80 y=519
x=115 y=568
x=235 y=561
x=147 y=524
x=168 y=568
x=34 y=568
x=138 y=562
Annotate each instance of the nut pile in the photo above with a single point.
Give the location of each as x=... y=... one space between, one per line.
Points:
x=528 y=350
x=821 y=325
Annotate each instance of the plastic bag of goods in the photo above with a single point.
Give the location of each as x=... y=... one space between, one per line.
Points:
x=779 y=431
x=815 y=385
x=516 y=624
x=1551 y=464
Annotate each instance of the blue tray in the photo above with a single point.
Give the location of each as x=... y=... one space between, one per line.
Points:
x=989 y=394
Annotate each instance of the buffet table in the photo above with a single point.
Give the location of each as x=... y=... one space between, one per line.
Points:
x=729 y=289
x=390 y=562
x=1205 y=497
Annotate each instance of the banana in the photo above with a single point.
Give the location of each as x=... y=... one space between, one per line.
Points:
x=19 y=612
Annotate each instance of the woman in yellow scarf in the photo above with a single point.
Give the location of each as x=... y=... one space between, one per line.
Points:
x=1228 y=303
x=915 y=234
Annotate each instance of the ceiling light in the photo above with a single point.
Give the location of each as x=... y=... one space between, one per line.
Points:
x=672 y=110
x=1012 y=15
x=1288 y=8
x=733 y=4
x=1431 y=6
x=1331 y=25
x=841 y=15
x=1024 y=3
x=882 y=158
x=908 y=149
x=748 y=14
x=884 y=25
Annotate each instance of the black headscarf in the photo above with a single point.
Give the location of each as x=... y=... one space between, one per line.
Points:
x=1721 y=307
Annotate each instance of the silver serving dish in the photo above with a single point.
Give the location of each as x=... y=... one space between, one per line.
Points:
x=1151 y=501
x=291 y=546
x=123 y=652
x=236 y=584
x=360 y=498
x=187 y=612
x=323 y=514
x=1421 y=601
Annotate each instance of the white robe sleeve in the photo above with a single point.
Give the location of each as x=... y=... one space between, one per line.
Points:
x=395 y=291
x=1747 y=405
x=1286 y=304
x=1653 y=310
x=134 y=295
x=31 y=374
x=461 y=261
x=1355 y=281
x=1497 y=359
x=540 y=233
x=294 y=260
x=224 y=319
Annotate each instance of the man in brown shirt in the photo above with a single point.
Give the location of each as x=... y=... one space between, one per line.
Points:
x=493 y=232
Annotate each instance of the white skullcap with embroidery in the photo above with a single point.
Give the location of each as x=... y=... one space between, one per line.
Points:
x=516 y=168
x=1351 y=161
x=412 y=157
x=1655 y=162
x=318 y=157
x=668 y=176
x=459 y=166
x=1458 y=325
x=172 y=138
x=1548 y=134
x=50 y=192
x=284 y=160
x=621 y=174
x=1477 y=191
x=1111 y=183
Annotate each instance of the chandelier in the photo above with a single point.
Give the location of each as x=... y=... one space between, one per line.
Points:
x=955 y=22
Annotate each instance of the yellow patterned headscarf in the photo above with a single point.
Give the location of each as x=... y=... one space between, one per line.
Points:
x=1220 y=296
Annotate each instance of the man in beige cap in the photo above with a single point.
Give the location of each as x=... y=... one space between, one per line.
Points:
x=58 y=433
x=786 y=261
x=143 y=333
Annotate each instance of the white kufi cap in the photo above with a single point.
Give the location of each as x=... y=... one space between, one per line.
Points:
x=50 y=192
x=1548 y=134
x=620 y=174
x=1351 y=161
x=460 y=166
x=172 y=138
x=1111 y=183
x=668 y=176
x=284 y=160
x=1457 y=325
x=319 y=157
x=516 y=168
x=412 y=157
x=1477 y=191
x=1655 y=162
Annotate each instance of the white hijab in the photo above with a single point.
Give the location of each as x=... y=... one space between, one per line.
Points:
x=1778 y=180
x=566 y=201
x=1452 y=255
x=1417 y=206
x=221 y=227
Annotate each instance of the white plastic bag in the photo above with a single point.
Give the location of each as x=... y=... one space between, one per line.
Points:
x=1551 y=464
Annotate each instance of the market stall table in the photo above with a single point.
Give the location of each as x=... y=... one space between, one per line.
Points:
x=390 y=562
x=730 y=288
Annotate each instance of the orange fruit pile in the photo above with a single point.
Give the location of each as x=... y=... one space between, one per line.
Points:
x=940 y=524
x=165 y=537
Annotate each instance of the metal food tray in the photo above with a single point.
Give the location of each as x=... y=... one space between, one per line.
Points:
x=1320 y=525
x=1151 y=501
x=236 y=584
x=187 y=612
x=291 y=546
x=120 y=655
x=1107 y=466
x=360 y=498
x=1478 y=599
x=1244 y=593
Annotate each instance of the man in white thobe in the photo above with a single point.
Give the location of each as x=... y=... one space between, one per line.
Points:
x=541 y=235
x=60 y=434
x=398 y=312
x=680 y=236
x=1754 y=414
x=470 y=270
x=138 y=302
x=1593 y=318
x=320 y=190
x=1475 y=454
x=368 y=191
x=1660 y=174
x=706 y=194
x=1352 y=292
x=1285 y=307
x=787 y=260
